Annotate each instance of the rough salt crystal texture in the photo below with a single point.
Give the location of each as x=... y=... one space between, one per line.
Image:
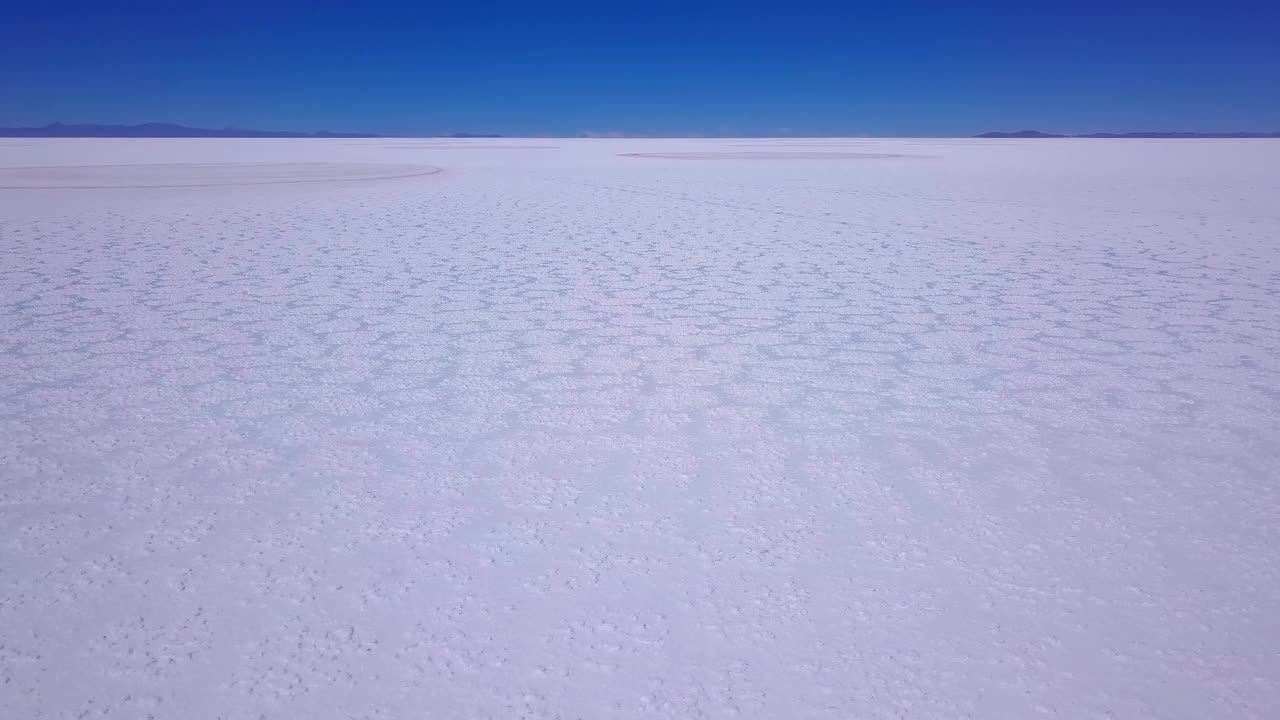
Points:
x=586 y=429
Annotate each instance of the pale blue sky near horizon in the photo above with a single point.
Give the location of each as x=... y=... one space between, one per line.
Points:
x=755 y=68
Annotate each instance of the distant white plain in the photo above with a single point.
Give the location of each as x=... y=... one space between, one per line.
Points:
x=381 y=429
x=203 y=175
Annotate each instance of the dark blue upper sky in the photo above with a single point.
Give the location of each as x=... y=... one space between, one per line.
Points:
x=909 y=68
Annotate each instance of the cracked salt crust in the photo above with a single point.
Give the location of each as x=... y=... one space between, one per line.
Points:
x=994 y=433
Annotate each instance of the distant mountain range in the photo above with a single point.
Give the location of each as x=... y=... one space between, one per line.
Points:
x=1177 y=135
x=159 y=130
x=171 y=130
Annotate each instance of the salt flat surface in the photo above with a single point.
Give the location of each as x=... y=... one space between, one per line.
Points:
x=761 y=428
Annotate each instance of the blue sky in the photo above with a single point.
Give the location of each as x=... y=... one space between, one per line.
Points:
x=910 y=68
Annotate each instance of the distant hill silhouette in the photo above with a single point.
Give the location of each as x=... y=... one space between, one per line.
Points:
x=161 y=130
x=1019 y=134
x=473 y=135
x=1175 y=135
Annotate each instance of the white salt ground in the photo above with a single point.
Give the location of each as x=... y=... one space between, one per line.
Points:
x=987 y=431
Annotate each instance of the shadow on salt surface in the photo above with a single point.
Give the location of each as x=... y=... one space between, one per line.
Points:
x=73 y=177
x=768 y=155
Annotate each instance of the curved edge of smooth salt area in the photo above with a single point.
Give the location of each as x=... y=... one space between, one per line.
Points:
x=187 y=175
x=766 y=155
